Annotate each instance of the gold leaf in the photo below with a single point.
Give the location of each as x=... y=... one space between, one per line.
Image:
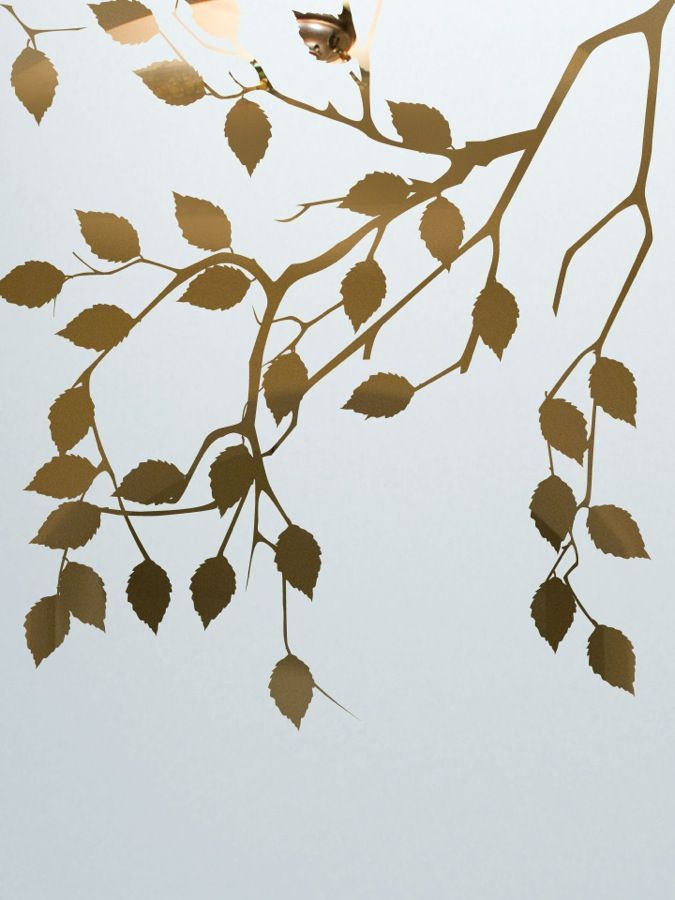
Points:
x=363 y=289
x=613 y=389
x=34 y=80
x=212 y=586
x=219 y=17
x=46 y=627
x=381 y=395
x=203 y=224
x=83 y=593
x=564 y=427
x=173 y=81
x=553 y=508
x=553 y=610
x=149 y=593
x=217 y=288
x=248 y=133
x=70 y=418
x=284 y=385
x=100 y=327
x=231 y=476
x=291 y=688
x=69 y=526
x=611 y=656
x=495 y=317
x=421 y=127
x=64 y=476
x=613 y=530
x=126 y=21
x=109 y=236
x=298 y=558
x=442 y=230
x=152 y=481
x=32 y=284
x=376 y=194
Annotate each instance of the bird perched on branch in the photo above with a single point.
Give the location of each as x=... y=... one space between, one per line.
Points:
x=328 y=38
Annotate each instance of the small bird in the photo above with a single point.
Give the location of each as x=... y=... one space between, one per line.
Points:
x=328 y=38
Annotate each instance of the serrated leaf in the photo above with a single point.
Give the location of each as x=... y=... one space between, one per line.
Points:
x=217 y=288
x=46 y=627
x=64 y=476
x=83 y=593
x=564 y=427
x=553 y=609
x=203 y=224
x=100 y=327
x=126 y=21
x=149 y=593
x=495 y=317
x=553 y=508
x=248 y=133
x=219 y=17
x=614 y=531
x=32 y=284
x=284 y=385
x=152 y=481
x=213 y=586
x=69 y=526
x=381 y=396
x=291 y=688
x=298 y=558
x=363 y=289
x=70 y=418
x=173 y=81
x=376 y=194
x=421 y=127
x=442 y=230
x=231 y=476
x=109 y=236
x=34 y=80
x=611 y=656
x=613 y=389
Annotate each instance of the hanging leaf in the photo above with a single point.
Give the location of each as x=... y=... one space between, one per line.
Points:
x=495 y=317
x=173 y=81
x=152 y=481
x=363 y=289
x=298 y=558
x=613 y=389
x=126 y=21
x=46 y=627
x=377 y=194
x=613 y=530
x=149 y=592
x=553 y=610
x=381 y=396
x=611 y=656
x=70 y=418
x=564 y=427
x=69 y=526
x=212 y=586
x=291 y=687
x=421 y=127
x=32 y=284
x=203 y=224
x=248 y=133
x=101 y=327
x=83 y=593
x=553 y=508
x=64 y=476
x=442 y=230
x=284 y=385
x=231 y=476
x=219 y=17
x=109 y=236
x=34 y=80
x=217 y=288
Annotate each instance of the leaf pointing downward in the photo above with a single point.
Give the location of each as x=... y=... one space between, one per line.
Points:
x=381 y=396
x=611 y=656
x=613 y=389
x=248 y=133
x=83 y=593
x=34 y=80
x=219 y=17
x=46 y=627
x=126 y=21
x=291 y=688
x=212 y=586
x=109 y=236
x=553 y=508
x=564 y=427
x=442 y=230
x=298 y=558
x=231 y=476
x=613 y=530
x=284 y=385
x=149 y=593
x=363 y=290
x=203 y=224
x=553 y=610
x=495 y=317
x=71 y=417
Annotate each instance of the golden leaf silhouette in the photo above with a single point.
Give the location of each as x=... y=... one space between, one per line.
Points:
x=298 y=558
x=217 y=288
x=173 y=81
x=109 y=236
x=553 y=610
x=363 y=289
x=376 y=194
x=34 y=80
x=64 y=476
x=248 y=133
x=219 y=17
x=284 y=384
x=553 y=508
x=495 y=317
x=564 y=427
x=203 y=224
x=126 y=21
x=32 y=284
x=83 y=593
x=421 y=127
x=381 y=395
x=152 y=481
x=213 y=586
x=69 y=526
x=100 y=327
x=70 y=418
x=614 y=531
x=613 y=389
x=611 y=656
x=46 y=627
x=442 y=230
x=231 y=476
x=149 y=593
x=291 y=688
